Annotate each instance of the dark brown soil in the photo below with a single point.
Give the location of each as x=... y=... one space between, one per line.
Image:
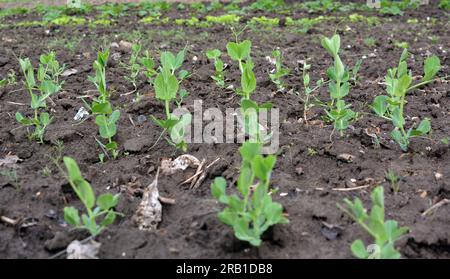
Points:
x=190 y=228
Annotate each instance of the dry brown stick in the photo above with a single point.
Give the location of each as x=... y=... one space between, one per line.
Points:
x=435 y=206
x=203 y=176
x=166 y=200
x=198 y=172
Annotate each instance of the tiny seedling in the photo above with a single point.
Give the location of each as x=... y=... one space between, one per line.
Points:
x=355 y=70
x=307 y=90
x=133 y=67
x=9 y=80
x=105 y=203
x=106 y=118
x=393 y=179
x=166 y=86
x=279 y=72
x=218 y=77
x=251 y=215
x=385 y=233
x=339 y=112
x=391 y=106
x=47 y=84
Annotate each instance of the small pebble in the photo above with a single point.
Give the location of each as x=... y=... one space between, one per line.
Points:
x=141 y=119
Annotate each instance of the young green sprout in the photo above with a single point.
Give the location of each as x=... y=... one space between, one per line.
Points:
x=307 y=90
x=339 y=112
x=240 y=52
x=218 y=77
x=253 y=213
x=105 y=203
x=9 y=80
x=166 y=87
x=393 y=179
x=279 y=72
x=106 y=118
x=385 y=233
x=391 y=105
x=133 y=67
x=46 y=85
x=149 y=66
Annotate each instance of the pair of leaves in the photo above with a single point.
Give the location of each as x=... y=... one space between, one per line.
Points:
x=172 y=62
x=239 y=51
x=166 y=85
x=107 y=124
x=332 y=44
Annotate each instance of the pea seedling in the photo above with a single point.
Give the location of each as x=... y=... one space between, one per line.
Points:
x=240 y=52
x=149 y=66
x=105 y=203
x=133 y=67
x=307 y=90
x=251 y=215
x=279 y=71
x=9 y=80
x=391 y=106
x=47 y=84
x=339 y=112
x=393 y=179
x=385 y=233
x=218 y=77
x=106 y=118
x=166 y=87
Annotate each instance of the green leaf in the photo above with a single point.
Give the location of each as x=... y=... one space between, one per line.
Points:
x=359 y=250
x=423 y=129
x=71 y=216
x=22 y=120
x=250 y=150
x=262 y=167
x=380 y=105
x=332 y=44
x=239 y=51
x=213 y=54
x=245 y=180
x=109 y=219
x=45 y=118
x=431 y=67
x=72 y=169
x=86 y=194
x=101 y=108
x=248 y=80
x=107 y=201
x=218 y=189
x=166 y=86
x=397 y=118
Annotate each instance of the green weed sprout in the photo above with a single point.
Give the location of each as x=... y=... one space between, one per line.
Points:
x=218 y=77
x=47 y=84
x=240 y=52
x=280 y=71
x=166 y=87
x=105 y=203
x=338 y=112
x=106 y=118
x=251 y=215
x=391 y=106
x=385 y=233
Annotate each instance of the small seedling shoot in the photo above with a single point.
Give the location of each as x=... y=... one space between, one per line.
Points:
x=279 y=72
x=41 y=88
x=166 y=86
x=254 y=212
x=338 y=111
x=391 y=105
x=384 y=233
x=106 y=118
x=219 y=66
x=105 y=203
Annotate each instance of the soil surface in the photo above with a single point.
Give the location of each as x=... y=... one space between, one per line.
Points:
x=308 y=174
